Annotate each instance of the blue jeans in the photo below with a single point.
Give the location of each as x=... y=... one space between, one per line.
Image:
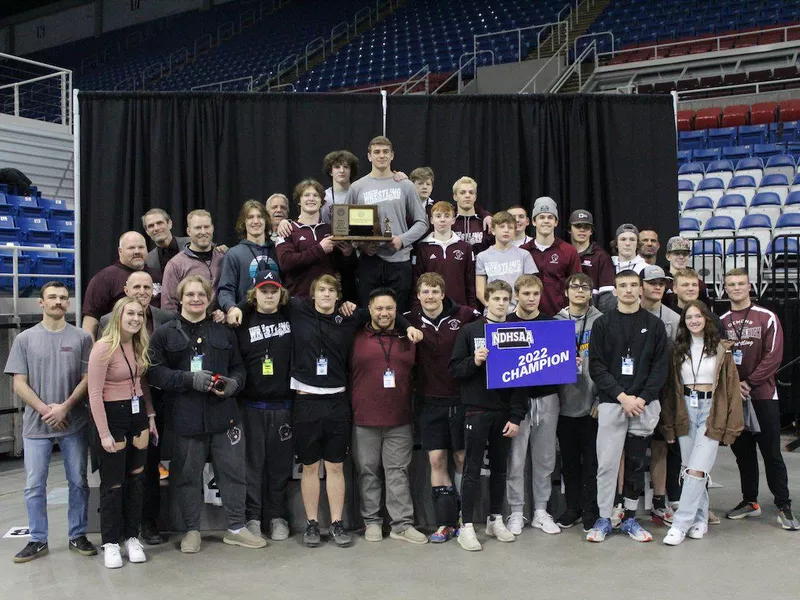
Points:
x=75 y=451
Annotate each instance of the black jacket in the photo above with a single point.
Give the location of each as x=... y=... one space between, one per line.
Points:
x=171 y=350
x=648 y=348
x=473 y=378
x=261 y=334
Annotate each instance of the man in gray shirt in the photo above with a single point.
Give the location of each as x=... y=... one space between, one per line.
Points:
x=388 y=264
x=49 y=363
x=654 y=283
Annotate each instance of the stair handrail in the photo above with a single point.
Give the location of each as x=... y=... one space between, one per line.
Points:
x=594 y=35
x=532 y=81
x=359 y=17
x=576 y=66
x=518 y=30
x=213 y=84
x=321 y=45
x=422 y=75
x=461 y=67
x=553 y=31
x=294 y=64
x=335 y=33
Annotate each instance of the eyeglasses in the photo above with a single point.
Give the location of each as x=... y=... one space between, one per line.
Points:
x=584 y=288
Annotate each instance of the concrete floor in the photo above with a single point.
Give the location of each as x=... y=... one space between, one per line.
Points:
x=744 y=559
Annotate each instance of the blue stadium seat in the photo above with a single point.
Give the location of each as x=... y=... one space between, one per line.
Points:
x=787 y=224
x=24 y=266
x=684 y=156
x=766 y=150
x=708 y=155
x=35 y=231
x=689 y=227
x=700 y=208
x=722 y=169
x=752 y=134
x=718 y=227
x=792 y=202
x=743 y=253
x=57 y=209
x=692 y=140
x=24 y=206
x=5 y=207
x=722 y=137
x=733 y=206
x=784 y=132
x=50 y=263
x=65 y=231
x=713 y=187
x=766 y=203
x=737 y=152
x=9 y=232
x=783 y=164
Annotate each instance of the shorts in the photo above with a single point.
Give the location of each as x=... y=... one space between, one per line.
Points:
x=442 y=427
x=321 y=427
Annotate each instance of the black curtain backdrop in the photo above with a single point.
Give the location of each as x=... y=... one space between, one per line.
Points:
x=614 y=155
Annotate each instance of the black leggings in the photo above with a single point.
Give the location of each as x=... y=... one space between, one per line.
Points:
x=121 y=474
x=481 y=428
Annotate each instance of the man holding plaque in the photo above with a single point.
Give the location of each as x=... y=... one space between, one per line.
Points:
x=400 y=212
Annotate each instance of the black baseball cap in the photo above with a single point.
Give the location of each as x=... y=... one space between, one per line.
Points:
x=268 y=278
x=581 y=217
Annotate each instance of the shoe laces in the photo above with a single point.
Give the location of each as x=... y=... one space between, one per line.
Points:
x=134 y=543
x=111 y=547
x=546 y=518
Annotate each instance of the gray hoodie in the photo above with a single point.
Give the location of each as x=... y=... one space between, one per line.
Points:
x=239 y=268
x=578 y=398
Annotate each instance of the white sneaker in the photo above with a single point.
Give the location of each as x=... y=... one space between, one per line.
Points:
x=697 y=531
x=544 y=520
x=674 y=537
x=498 y=529
x=254 y=527
x=515 y=523
x=279 y=530
x=135 y=551
x=467 y=538
x=111 y=556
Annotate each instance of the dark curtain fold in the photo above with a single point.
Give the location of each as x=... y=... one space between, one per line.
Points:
x=614 y=155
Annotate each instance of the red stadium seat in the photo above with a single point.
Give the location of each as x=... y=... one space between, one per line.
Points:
x=708 y=118
x=685 y=120
x=763 y=112
x=735 y=115
x=790 y=110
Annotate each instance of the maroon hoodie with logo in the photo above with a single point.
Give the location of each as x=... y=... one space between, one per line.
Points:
x=454 y=260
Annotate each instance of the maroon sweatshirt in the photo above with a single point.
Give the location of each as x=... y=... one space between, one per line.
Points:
x=759 y=335
x=373 y=404
x=454 y=260
x=597 y=264
x=555 y=264
x=470 y=229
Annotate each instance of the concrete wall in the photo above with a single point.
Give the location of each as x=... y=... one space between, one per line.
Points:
x=511 y=78
x=743 y=99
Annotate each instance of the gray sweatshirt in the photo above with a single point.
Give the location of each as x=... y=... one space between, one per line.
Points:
x=400 y=203
x=577 y=398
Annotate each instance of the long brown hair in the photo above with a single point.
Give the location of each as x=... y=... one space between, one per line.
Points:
x=683 y=339
x=249 y=205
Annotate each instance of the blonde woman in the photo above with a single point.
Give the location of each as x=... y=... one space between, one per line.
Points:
x=123 y=415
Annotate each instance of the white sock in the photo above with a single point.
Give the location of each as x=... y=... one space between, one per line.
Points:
x=539 y=512
x=236 y=530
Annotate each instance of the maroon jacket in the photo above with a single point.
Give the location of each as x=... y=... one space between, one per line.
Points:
x=597 y=264
x=434 y=351
x=470 y=229
x=106 y=287
x=454 y=260
x=555 y=264
x=373 y=404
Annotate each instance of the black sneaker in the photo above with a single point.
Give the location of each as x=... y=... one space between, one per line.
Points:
x=744 y=509
x=151 y=535
x=568 y=518
x=340 y=535
x=787 y=520
x=82 y=546
x=31 y=552
x=311 y=536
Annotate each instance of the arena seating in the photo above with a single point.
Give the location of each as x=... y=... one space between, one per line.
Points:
x=757 y=124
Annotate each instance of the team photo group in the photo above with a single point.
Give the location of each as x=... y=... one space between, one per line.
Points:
x=301 y=344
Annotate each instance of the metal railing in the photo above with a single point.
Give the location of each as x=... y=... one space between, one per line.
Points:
x=577 y=67
x=321 y=44
x=599 y=34
x=462 y=67
x=781 y=268
x=711 y=259
x=559 y=32
x=280 y=87
x=560 y=57
x=41 y=91
x=220 y=85
x=751 y=88
x=411 y=85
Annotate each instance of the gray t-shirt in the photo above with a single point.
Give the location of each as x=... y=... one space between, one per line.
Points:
x=55 y=362
x=670 y=318
x=507 y=265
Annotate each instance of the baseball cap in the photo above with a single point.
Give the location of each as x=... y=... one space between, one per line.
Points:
x=581 y=217
x=651 y=272
x=626 y=228
x=544 y=205
x=268 y=278
x=678 y=244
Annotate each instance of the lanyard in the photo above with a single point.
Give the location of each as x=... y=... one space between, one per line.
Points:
x=744 y=321
x=387 y=354
x=195 y=336
x=691 y=363
x=631 y=334
x=319 y=332
x=583 y=330
x=134 y=373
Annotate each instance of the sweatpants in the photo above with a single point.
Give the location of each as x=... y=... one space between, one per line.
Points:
x=577 y=439
x=481 y=428
x=374 y=272
x=537 y=430
x=391 y=448
x=186 y=471
x=617 y=433
x=769 y=442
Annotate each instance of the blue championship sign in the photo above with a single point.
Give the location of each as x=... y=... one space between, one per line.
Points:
x=523 y=353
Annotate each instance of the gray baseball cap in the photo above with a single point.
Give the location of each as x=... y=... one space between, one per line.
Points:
x=581 y=217
x=544 y=205
x=651 y=272
x=626 y=228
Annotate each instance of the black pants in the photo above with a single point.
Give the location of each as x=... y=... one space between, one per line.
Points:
x=577 y=439
x=769 y=442
x=151 y=507
x=121 y=488
x=480 y=428
x=270 y=458
x=374 y=272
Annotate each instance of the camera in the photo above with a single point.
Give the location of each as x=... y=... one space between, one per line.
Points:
x=218 y=383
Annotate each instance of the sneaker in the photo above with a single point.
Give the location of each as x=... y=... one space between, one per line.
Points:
x=82 y=546
x=601 y=529
x=244 y=538
x=697 y=531
x=190 y=543
x=632 y=527
x=279 y=530
x=568 y=518
x=341 y=537
x=617 y=515
x=32 y=551
x=467 y=538
x=135 y=551
x=496 y=528
x=111 y=556
x=787 y=520
x=544 y=520
x=373 y=533
x=662 y=516
x=674 y=537
x=311 y=537
x=151 y=535
x=254 y=526
x=443 y=534
x=411 y=535
x=515 y=523
x=744 y=509
x=713 y=519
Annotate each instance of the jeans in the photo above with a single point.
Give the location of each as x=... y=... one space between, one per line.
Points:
x=75 y=452
x=699 y=453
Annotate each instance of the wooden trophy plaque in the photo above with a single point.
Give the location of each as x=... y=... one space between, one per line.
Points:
x=358 y=223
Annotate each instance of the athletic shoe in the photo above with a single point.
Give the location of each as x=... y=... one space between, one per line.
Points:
x=496 y=528
x=787 y=520
x=443 y=534
x=191 y=542
x=744 y=509
x=662 y=516
x=569 y=518
x=111 y=556
x=632 y=527
x=244 y=538
x=515 y=523
x=674 y=537
x=412 y=535
x=82 y=546
x=713 y=519
x=544 y=520
x=279 y=530
x=467 y=538
x=373 y=533
x=31 y=551
x=602 y=528
x=617 y=515
x=341 y=537
x=311 y=537
x=254 y=526
x=697 y=531
x=135 y=551
x=151 y=535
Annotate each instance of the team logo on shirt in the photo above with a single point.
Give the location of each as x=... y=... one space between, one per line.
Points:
x=458 y=254
x=454 y=324
x=433 y=256
x=554 y=259
x=338 y=319
x=234 y=435
x=586 y=263
x=512 y=337
x=302 y=238
x=67 y=348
